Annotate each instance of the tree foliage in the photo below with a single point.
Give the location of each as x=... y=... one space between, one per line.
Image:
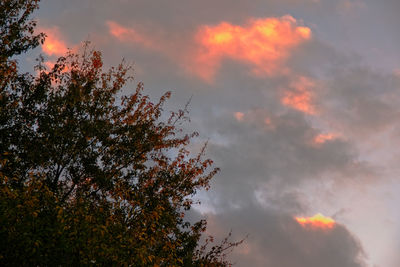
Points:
x=87 y=176
x=17 y=35
x=16 y=28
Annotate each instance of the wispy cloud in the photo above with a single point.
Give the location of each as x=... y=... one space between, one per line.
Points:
x=130 y=35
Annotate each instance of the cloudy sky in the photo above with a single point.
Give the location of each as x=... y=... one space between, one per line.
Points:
x=300 y=102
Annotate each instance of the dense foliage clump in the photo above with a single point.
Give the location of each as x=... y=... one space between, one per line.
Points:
x=88 y=176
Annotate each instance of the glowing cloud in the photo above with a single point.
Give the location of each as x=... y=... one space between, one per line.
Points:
x=262 y=43
x=322 y=138
x=129 y=35
x=268 y=121
x=318 y=221
x=54 y=43
x=300 y=97
x=239 y=116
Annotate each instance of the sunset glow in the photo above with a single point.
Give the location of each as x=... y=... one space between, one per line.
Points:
x=54 y=43
x=262 y=43
x=300 y=96
x=129 y=35
x=322 y=138
x=268 y=121
x=317 y=221
x=239 y=116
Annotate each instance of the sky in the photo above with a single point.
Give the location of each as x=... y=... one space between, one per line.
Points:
x=298 y=99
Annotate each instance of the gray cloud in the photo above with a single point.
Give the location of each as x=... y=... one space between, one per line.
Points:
x=276 y=239
x=363 y=101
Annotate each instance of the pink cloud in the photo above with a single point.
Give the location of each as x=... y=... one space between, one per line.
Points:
x=300 y=95
x=255 y=117
x=130 y=35
x=323 y=138
x=264 y=44
x=239 y=116
x=54 y=45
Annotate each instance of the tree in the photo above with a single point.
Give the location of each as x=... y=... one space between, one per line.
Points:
x=16 y=30
x=87 y=176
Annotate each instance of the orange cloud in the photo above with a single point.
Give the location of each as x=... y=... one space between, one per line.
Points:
x=49 y=64
x=322 y=138
x=263 y=43
x=268 y=121
x=129 y=35
x=255 y=117
x=54 y=43
x=239 y=116
x=318 y=221
x=300 y=97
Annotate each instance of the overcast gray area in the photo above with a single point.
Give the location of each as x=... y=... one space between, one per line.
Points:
x=278 y=159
